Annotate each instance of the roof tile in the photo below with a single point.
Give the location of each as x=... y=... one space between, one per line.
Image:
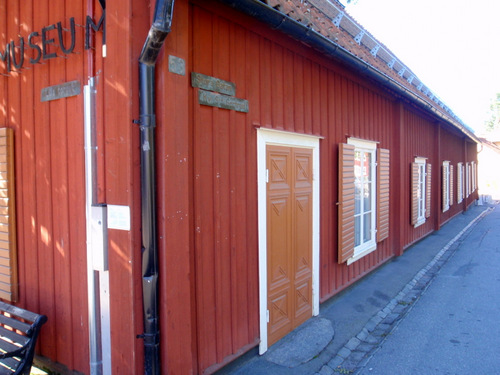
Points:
x=319 y=15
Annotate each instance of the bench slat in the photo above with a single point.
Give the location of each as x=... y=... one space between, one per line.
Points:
x=7 y=346
x=17 y=311
x=14 y=323
x=9 y=365
x=13 y=336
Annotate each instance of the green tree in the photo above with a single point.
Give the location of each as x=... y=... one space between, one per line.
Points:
x=493 y=121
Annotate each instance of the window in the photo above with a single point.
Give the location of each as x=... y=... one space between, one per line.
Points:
x=421 y=191
x=460 y=182
x=467 y=180
x=451 y=184
x=363 y=198
x=446 y=185
x=473 y=172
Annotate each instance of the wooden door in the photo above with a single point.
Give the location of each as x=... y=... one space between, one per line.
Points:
x=289 y=239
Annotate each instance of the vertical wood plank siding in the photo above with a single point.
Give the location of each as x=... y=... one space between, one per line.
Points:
x=418 y=141
x=76 y=69
x=118 y=101
x=207 y=173
x=293 y=89
x=452 y=147
x=286 y=91
x=49 y=178
x=471 y=155
x=174 y=194
x=9 y=285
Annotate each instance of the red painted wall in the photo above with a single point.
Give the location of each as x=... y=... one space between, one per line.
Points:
x=452 y=149
x=127 y=27
x=289 y=87
x=419 y=139
x=49 y=152
x=206 y=168
x=49 y=177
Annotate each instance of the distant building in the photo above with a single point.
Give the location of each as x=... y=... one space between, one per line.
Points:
x=488 y=172
x=176 y=213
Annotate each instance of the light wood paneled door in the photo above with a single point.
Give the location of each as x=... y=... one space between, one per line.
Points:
x=289 y=239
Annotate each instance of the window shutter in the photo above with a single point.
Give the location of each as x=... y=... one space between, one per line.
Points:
x=467 y=180
x=346 y=202
x=463 y=182
x=8 y=245
x=428 y=191
x=451 y=184
x=414 y=193
x=383 y=184
x=474 y=177
x=459 y=183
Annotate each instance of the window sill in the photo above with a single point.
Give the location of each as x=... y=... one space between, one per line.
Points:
x=419 y=223
x=360 y=254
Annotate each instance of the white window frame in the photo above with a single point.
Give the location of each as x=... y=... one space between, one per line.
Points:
x=422 y=184
x=467 y=180
x=367 y=247
x=464 y=182
x=460 y=183
x=446 y=193
x=473 y=171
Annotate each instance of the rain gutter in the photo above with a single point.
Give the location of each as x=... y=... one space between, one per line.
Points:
x=281 y=22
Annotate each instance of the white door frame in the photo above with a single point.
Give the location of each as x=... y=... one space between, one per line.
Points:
x=281 y=138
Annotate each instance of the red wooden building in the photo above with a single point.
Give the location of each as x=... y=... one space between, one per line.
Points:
x=250 y=158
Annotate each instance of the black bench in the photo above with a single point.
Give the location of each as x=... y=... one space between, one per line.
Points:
x=19 y=330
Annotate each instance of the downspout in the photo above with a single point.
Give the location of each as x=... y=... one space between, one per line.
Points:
x=147 y=121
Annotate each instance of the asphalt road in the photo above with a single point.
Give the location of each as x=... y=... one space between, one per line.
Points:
x=454 y=327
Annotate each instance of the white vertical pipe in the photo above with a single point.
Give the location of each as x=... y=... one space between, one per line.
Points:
x=97 y=273
x=105 y=322
x=94 y=342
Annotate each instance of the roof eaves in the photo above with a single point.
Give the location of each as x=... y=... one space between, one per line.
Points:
x=489 y=144
x=327 y=33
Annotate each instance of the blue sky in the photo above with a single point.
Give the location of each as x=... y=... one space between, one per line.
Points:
x=453 y=46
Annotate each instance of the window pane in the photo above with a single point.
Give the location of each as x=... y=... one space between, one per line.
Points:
x=367 y=162
x=364 y=193
x=357 y=164
x=357 y=196
x=367 y=232
x=421 y=191
x=367 y=197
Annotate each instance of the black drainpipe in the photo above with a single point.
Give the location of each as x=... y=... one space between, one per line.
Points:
x=147 y=121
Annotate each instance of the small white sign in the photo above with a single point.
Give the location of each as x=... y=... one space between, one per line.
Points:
x=118 y=217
